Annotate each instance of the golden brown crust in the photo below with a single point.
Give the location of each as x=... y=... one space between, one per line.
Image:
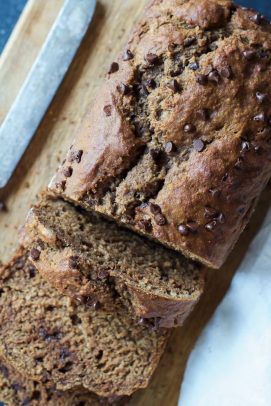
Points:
x=182 y=123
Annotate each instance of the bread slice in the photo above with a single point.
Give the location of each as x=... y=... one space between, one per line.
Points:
x=47 y=338
x=96 y=262
x=15 y=390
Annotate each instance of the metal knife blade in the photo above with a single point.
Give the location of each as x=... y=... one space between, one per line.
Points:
x=42 y=83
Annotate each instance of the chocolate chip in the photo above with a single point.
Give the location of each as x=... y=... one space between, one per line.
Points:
x=61 y=185
x=3 y=207
x=174 y=85
x=125 y=89
x=260 y=97
x=128 y=55
x=151 y=83
x=245 y=146
x=113 y=68
x=192 y=226
x=32 y=271
x=160 y=219
x=74 y=262
x=103 y=274
x=215 y=193
x=210 y=212
x=214 y=76
x=260 y=117
x=193 y=66
x=35 y=254
x=68 y=172
x=183 y=229
x=226 y=72
x=203 y=114
x=151 y=58
x=145 y=225
x=142 y=321
x=154 y=208
x=172 y=47
x=202 y=79
x=225 y=177
x=257 y=18
x=198 y=145
x=221 y=218
x=189 y=41
x=249 y=54
x=211 y=226
x=169 y=147
x=189 y=128
x=108 y=110
x=76 y=156
x=96 y=305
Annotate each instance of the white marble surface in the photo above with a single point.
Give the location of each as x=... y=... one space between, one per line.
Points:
x=231 y=363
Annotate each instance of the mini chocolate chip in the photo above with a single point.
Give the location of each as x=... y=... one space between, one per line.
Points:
x=128 y=55
x=202 y=79
x=189 y=128
x=260 y=97
x=108 y=110
x=225 y=177
x=35 y=254
x=203 y=114
x=214 y=76
x=174 y=85
x=221 y=218
x=169 y=147
x=198 y=145
x=151 y=58
x=113 y=68
x=215 y=193
x=249 y=54
x=183 y=229
x=154 y=208
x=142 y=321
x=245 y=146
x=192 y=226
x=74 y=262
x=226 y=72
x=32 y=271
x=189 y=41
x=193 y=66
x=210 y=212
x=260 y=117
x=160 y=219
x=68 y=172
x=145 y=225
x=211 y=226
x=3 y=207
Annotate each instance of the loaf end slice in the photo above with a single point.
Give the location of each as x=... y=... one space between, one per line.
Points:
x=48 y=338
x=100 y=264
x=178 y=143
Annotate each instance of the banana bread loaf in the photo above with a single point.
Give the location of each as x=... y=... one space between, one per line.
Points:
x=49 y=339
x=98 y=263
x=15 y=390
x=178 y=143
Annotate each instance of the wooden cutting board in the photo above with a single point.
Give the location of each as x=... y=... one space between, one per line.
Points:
x=105 y=38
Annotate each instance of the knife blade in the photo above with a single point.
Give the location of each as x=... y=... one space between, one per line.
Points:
x=42 y=83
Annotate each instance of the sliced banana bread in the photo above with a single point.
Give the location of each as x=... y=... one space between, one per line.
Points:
x=47 y=338
x=15 y=390
x=99 y=263
x=178 y=142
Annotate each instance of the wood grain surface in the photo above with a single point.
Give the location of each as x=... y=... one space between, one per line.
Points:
x=105 y=38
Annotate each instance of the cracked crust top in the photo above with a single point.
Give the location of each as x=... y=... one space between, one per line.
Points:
x=178 y=143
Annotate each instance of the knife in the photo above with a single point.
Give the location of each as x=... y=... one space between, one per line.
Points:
x=42 y=83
